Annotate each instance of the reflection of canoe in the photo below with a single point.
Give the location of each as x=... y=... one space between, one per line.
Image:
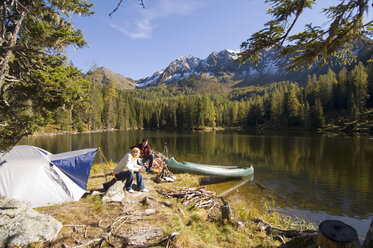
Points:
x=212 y=170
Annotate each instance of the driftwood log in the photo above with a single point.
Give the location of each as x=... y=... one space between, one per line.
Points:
x=336 y=234
x=368 y=243
x=289 y=233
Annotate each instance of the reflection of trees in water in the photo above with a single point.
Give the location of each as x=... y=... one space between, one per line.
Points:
x=321 y=160
x=321 y=171
x=332 y=174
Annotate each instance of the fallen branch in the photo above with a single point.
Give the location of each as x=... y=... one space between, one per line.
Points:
x=198 y=197
x=120 y=225
x=181 y=211
x=98 y=240
x=111 y=231
x=285 y=232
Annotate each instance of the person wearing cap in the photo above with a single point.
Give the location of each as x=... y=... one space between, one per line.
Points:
x=146 y=155
x=125 y=170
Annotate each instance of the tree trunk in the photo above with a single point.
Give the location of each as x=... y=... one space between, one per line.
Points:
x=13 y=40
x=336 y=234
x=368 y=243
x=5 y=62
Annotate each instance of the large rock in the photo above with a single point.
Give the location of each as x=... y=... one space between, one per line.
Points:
x=21 y=225
x=114 y=193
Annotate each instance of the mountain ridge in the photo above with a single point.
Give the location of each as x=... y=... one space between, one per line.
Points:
x=103 y=75
x=218 y=71
x=217 y=64
x=222 y=65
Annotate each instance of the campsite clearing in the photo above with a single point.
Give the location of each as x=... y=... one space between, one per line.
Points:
x=138 y=221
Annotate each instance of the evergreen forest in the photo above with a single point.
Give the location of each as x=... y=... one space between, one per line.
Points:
x=342 y=98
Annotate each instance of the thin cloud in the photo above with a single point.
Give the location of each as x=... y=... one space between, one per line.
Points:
x=141 y=33
x=145 y=22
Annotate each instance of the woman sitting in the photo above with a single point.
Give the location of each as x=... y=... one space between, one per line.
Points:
x=125 y=170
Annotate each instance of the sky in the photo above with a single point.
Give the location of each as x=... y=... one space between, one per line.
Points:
x=136 y=42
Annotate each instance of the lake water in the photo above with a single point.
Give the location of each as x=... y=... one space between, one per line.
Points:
x=312 y=176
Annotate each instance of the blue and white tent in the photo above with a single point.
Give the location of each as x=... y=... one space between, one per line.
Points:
x=32 y=174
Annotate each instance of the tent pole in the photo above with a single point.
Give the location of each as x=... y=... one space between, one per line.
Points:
x=102 y=164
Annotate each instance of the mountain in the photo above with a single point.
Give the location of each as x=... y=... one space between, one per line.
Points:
x=103 y=75
x=222 y=67
x=217 y=65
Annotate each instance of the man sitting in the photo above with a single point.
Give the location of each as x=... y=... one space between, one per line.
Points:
x=146 y=155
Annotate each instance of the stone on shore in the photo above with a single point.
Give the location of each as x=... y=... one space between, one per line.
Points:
x=114 y=193
x=21 y=225
x=140 y=236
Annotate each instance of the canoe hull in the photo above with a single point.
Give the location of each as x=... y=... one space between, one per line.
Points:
x=209 y=170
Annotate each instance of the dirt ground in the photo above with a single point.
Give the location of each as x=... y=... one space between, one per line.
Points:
x=132 y=222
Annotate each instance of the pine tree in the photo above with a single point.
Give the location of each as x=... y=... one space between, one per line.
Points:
x=316 y=118
x=33 y=33
x=256 y=112
x=370 y=85
x=110 y=99
x=312 y=89
x=315 y=43
x=292 y=106
x=277 y=105
x=359 y=79
x=327 y=82
x=342 y=89
x=234 y=114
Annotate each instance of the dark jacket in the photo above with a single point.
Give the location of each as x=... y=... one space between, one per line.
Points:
x=145 y=150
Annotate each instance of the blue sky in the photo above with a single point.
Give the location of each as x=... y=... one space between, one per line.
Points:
x=137 y=42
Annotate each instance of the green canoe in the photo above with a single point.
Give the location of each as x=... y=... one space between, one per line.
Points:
x=211 y=170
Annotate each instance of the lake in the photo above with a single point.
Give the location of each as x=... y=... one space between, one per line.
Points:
x=312 y=176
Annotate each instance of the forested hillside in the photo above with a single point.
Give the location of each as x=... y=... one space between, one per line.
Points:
x=103 y=75
x=338 y=98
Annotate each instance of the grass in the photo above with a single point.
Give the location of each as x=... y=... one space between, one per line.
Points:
x=195 y=228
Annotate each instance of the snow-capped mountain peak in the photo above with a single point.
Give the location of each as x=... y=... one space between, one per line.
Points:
x=217 y=64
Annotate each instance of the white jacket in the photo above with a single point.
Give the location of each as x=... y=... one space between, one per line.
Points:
x=127 y=163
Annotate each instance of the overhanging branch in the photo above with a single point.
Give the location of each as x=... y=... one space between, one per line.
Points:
x=141 y=2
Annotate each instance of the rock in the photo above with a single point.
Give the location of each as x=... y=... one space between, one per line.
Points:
x=143 y=235
x=167 y=203
x=115 y=193
x=146 y=201
x=150 y=211
x=21 y=225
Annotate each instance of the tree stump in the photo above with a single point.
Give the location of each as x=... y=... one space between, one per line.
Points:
x=368 y=243
x=226 y=212
x=336 y=234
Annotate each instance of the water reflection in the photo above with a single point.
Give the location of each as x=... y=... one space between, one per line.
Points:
x=333 y=175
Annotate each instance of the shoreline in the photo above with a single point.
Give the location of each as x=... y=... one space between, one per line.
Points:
x=329 y=130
